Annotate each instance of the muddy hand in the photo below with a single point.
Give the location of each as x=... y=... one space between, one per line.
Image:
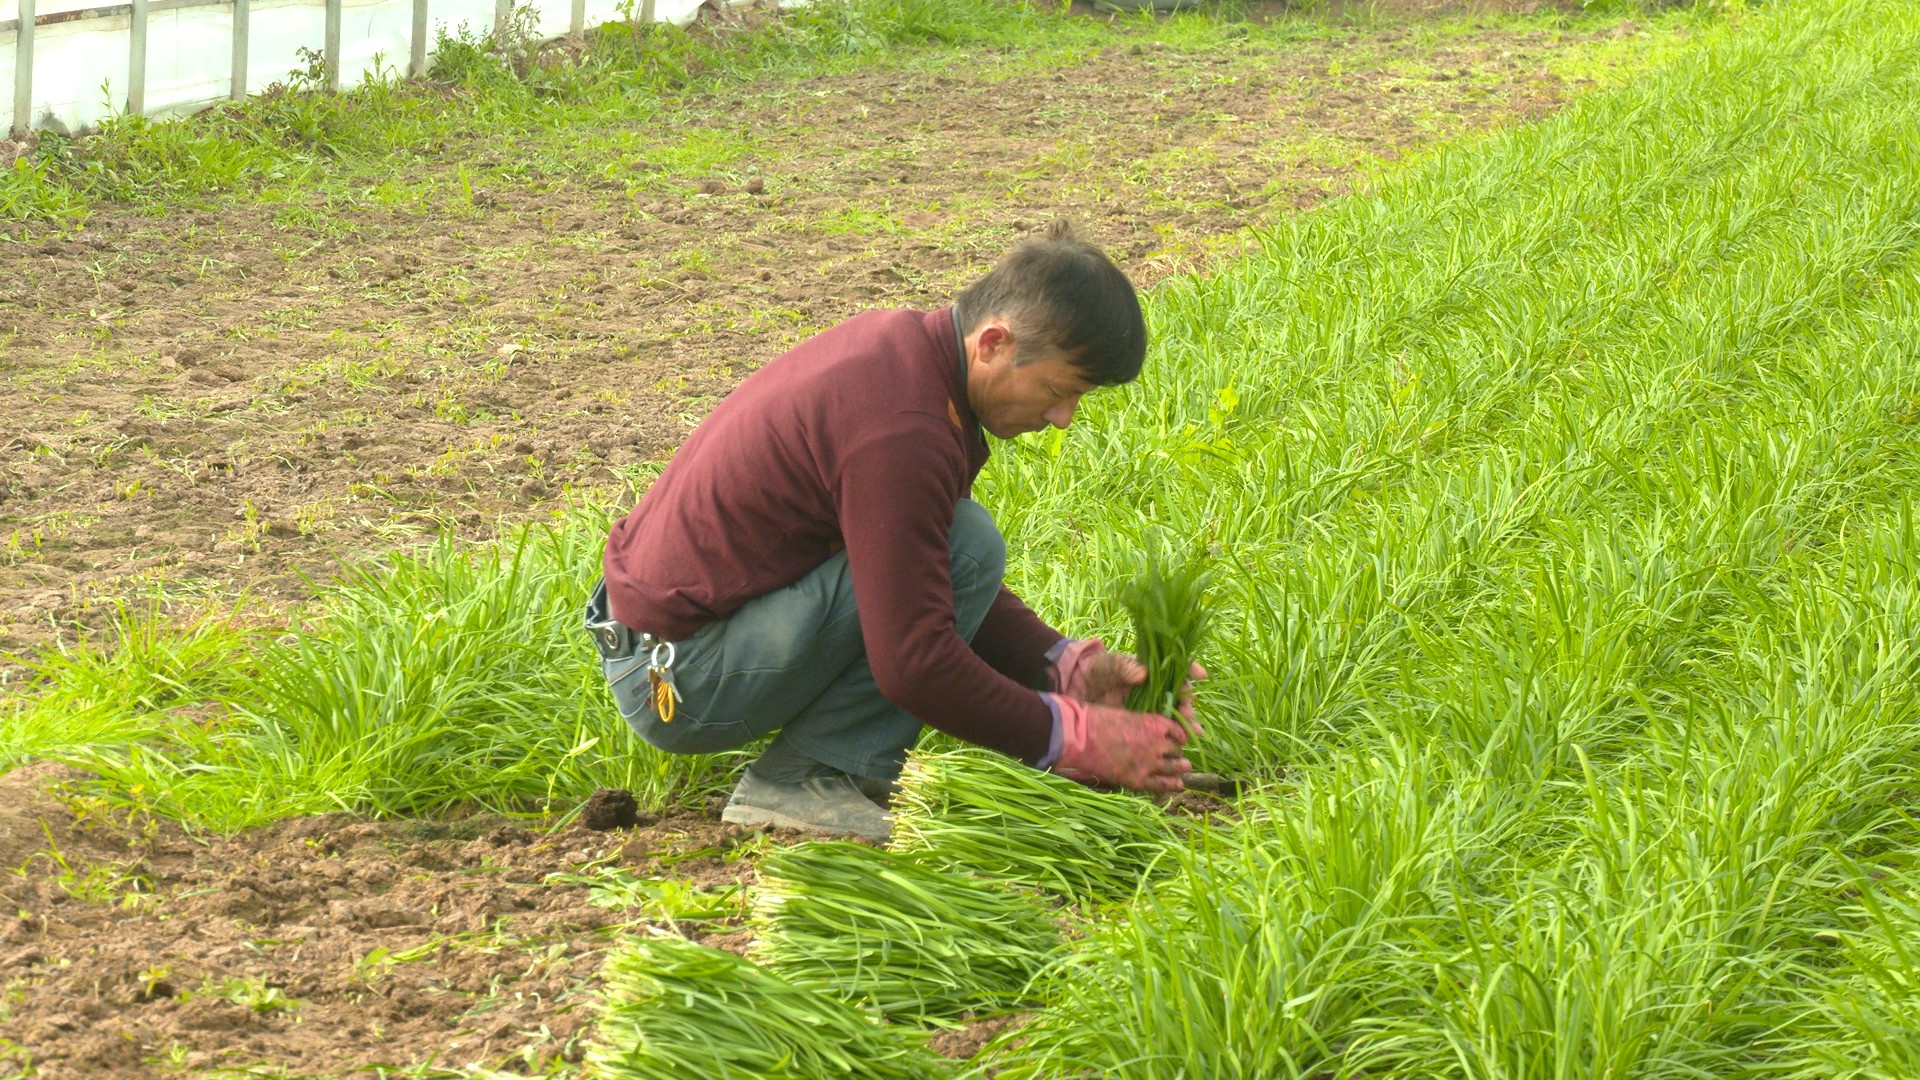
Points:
x=1135 y=750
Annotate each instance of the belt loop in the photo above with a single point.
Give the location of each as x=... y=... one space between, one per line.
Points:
x=614 y=640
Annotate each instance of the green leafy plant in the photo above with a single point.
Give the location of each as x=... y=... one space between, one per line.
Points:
x=249 y=991
x=1167 y=603
x=889 y=930
x=674 y=1009
x=980 y=812
x=455 y=675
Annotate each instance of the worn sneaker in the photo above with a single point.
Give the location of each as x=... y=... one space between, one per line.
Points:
x=824 y=804
x=880 y=791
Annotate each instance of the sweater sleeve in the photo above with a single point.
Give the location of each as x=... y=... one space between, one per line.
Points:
x=895 y=497
x=1015 y=641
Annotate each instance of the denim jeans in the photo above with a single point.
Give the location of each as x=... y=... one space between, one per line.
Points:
x=793 y=661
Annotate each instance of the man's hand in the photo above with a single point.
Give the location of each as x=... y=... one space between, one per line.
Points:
x=1086 y=671
x=1135 y=750
x=1106 y=678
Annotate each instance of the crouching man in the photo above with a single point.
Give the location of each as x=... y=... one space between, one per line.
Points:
x=810 y=562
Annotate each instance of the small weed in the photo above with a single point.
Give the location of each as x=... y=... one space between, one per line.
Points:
x=13 y=993
x=658 y=898
x=155 y=981
x=256 y=994
x=111 y=883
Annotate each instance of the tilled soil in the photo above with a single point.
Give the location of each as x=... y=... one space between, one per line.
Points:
x=332 y=945
x=131 y=948
x=235 y=398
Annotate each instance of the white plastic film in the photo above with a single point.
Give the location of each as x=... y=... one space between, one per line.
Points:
x=80 y=64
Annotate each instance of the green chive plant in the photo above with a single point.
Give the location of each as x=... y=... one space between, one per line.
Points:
x=109 y=695
x=458 y=675
x=1562 y=489
x=672 y=1009
x=1303 y=907
x=887 y=929
x=1167 y=603
x=983 y=813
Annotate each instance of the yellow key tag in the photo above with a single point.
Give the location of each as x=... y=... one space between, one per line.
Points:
x=663 y=697
x=660 y=675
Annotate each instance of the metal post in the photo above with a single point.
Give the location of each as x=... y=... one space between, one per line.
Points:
x=579 y=25
x=331 y=50
x=502 y=11
x=23 y=72
x=242 y=17
x=418 y=68
x=137 y=61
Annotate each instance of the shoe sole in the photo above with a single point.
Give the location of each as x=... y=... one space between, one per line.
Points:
x=753 y=815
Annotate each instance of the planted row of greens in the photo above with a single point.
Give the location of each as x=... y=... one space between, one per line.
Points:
x=459 y=674
x=1559 y=497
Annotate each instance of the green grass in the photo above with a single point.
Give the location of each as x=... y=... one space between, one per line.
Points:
x=455 y=676
x=294 y=145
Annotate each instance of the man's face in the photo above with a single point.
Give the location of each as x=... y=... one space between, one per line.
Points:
x=1012 y=399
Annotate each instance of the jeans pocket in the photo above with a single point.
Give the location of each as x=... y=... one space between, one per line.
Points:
x=632 y=693
x=688 y=732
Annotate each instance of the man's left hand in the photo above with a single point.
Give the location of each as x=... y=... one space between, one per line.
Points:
x=1087 y=672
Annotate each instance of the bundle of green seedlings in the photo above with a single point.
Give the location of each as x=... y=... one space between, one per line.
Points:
x=912 y=941
x=1168 y=606
x=983 y=813
x=673 y=1009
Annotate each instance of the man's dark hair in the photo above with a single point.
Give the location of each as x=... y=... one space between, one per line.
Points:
x=1060 y=294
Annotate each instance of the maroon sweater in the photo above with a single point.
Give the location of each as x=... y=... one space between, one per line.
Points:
x=860 y=438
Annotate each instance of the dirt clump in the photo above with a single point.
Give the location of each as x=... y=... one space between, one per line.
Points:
x=610 y=808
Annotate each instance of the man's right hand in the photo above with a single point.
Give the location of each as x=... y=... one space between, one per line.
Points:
x=1135 y=750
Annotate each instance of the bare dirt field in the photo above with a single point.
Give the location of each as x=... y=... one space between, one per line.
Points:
x=228 y=398
x=132 y=948
x=238 y=397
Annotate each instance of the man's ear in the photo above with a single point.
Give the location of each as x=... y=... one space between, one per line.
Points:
x=995 y=339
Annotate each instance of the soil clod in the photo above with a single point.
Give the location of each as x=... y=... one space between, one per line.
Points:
x=610 y=808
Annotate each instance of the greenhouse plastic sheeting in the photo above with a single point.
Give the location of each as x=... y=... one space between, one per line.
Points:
x=80 y=65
